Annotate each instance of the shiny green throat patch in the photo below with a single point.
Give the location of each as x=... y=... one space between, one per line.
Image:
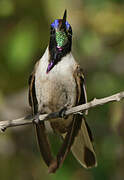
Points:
x=61 y=38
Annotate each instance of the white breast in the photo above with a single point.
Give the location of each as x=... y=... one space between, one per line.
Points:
x=58 y=87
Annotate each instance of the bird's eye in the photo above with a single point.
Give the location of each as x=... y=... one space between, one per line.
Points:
x=52 y=30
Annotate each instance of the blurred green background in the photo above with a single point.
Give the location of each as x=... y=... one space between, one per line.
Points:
x=98 y=45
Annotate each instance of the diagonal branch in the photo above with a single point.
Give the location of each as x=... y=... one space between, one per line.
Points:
x=45 y=117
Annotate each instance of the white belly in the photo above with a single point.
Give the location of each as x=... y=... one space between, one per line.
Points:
x=54 y=92
x=56 y=89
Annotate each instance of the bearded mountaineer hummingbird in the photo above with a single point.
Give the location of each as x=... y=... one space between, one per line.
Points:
x=56 y=82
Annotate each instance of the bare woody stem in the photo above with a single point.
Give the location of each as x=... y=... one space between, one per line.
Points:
x=77 y=109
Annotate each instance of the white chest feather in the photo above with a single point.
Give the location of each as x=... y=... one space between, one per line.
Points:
x=58 y=87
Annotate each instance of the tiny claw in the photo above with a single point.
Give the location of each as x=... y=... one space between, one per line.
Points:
x=3 y=129
x=36 y=119
x=62 y=112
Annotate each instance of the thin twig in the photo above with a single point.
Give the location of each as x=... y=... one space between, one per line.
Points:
x=45 y=117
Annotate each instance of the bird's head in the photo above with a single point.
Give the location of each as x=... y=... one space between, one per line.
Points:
x=60 y=39
x=61 y=31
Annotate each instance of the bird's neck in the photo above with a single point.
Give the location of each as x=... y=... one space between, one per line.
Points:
x=57 y=53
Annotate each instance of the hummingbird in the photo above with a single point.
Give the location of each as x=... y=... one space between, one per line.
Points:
x=57 y=83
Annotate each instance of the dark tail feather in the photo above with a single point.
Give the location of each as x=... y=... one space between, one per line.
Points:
x=44 y=144
x=82 y=147
x=66 y=146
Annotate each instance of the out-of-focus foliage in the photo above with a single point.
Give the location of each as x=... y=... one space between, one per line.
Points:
x=98 y=45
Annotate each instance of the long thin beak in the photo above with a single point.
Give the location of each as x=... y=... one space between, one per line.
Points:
x=64 y=19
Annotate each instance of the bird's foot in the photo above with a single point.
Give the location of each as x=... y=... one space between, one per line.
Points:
x=36 y=119
x=62 y=112
x=58 y=114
